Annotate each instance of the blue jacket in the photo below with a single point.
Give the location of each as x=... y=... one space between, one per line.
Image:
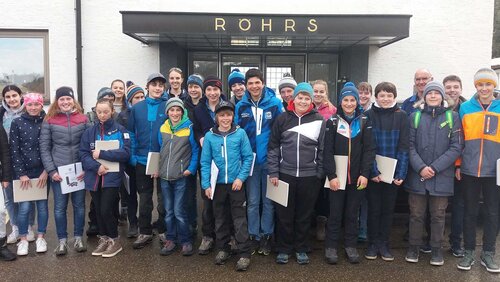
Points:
x=258 y=116
x=407 y=105
x=110 y=130
x=144 y=122
x=232 y=154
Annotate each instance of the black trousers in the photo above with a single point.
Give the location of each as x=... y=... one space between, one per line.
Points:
x=145 y=188
x=294 y=221
x=226 y=201
x=106 y=201
x=381 y=201
x=132 y=197
x=322 y=207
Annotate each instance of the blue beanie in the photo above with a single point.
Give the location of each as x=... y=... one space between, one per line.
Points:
x=349 y=89
x=303 y=87
x=195 y=79
x=235 y=77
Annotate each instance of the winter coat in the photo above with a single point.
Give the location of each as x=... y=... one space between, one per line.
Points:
x=266 y=110
x=122 y=117
x=25 y=145
x=203 y=120
x=108 y=131
x=7 y=115
x=327 y=110
x=6 y=167
x=408 y=105
x=296 y=145
x=232 y=154
x=433 y=143
x=189 y=106
x=60 y=140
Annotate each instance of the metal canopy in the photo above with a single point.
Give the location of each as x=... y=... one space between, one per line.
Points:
x=272 y=32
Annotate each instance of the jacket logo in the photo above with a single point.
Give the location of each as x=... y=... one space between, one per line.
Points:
x=268 y=115
x=92 y=146
x=245 y=115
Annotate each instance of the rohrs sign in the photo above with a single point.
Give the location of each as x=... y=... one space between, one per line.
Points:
x=264 y=25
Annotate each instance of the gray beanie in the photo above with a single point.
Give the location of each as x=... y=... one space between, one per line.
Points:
x=172 y=102
x=434 y=85
x=287 y=81
x=105 y=91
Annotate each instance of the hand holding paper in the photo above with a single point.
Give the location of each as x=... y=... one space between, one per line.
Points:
x=274 y=180
x=335 y=184
x=25 y=182
x=42 y=179
x=208 y=193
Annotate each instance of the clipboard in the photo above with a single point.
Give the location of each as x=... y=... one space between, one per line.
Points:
x=387 y=167
x=153 y=163
x=278 y=194
x=340 y=171
x=105 y=146
x=33 y=193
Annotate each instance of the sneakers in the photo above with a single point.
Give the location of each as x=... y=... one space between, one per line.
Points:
x=352 y=255
x=242 y=264
x=62 y=248
x=320 y=228
x=282 y=258
x=207 y=243
x=371 y=252
x=41 y=245
x=412 y=254
x=385 y=252
x=187 y=249
x=302 y=258
x=133 y=231
x=222 y=257
x=22 y=248
x=457 y=252
x=114 y=247
x=31 y=234
x=467 y=261
x=13 y=236
x=168 y=248
x=265 y=245
x=437 y=257
x=254 y=244
x=79 y=246
x=331 y=255
x=102 y=245
x=142 y=240
x=488 y=261
x=426 y=249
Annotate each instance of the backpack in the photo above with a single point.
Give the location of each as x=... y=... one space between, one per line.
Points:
x=449 y=120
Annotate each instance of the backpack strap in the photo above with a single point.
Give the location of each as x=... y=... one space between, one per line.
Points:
x=449 y=120
x=416 y=119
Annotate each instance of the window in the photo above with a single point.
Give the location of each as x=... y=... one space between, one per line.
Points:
x=24 y=60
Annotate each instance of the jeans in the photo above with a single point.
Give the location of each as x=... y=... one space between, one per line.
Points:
x=106 y=201
x=145 y=187
x=473 y=187
x=256 y=187
x=176 y=219
x=12 y=208
x=61 y=207
x=132 y=197
x=381 y=201
x=457 y=216
x=419 y=205
x=25 y=209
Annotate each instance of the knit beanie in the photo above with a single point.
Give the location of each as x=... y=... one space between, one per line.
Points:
x=105 y=91
x=33 y=98
x=235 y=77
x=174 y=102
x=212 y=80
x=434 y=85
x=195 y=79
x=132 y=89
x=287 y=81
x=486 y=75
x=64 y=91
x=303 y=87
x=349 y=89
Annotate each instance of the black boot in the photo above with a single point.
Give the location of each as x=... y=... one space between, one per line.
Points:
x=5 y=253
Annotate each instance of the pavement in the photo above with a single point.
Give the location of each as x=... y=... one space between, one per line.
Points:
x=147 y=265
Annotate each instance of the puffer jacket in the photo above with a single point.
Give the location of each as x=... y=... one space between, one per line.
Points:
x=433 y=143
x=266 y=110
x=5 y=157
x=232 y=154
x=108 y=131
x=60 y=140
x=7 y=115
x=296 y=145
x=25 y=145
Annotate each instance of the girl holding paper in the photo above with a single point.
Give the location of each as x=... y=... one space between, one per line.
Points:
x=27 y=164
x=348 y=133
x=60 y=137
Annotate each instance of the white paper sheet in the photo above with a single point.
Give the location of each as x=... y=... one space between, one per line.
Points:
x=278 y=194
x=33 y=193
x=214 y=173
x=69 y=181
x=153 y=163
x=387 y=167
x=126 y=182
x=253 y=164
x=108 y=145
x=340 y=170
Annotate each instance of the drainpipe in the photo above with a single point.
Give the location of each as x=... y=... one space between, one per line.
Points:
x=78 y=19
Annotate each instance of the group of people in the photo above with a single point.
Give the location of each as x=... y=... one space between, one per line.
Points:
x=443 y=147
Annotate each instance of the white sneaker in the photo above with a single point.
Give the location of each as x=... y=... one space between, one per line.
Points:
x=13 y=236
x=31 y=234
x=41 y=245
x=22 y=248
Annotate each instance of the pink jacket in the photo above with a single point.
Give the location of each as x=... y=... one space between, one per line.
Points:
x=327 y=110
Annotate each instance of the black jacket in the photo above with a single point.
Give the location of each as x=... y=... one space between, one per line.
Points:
x=5 y=156
x=202 y=121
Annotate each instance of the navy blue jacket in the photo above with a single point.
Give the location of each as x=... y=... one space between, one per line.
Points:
x=203 y=121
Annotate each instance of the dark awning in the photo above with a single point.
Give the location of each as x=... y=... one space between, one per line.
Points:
x=270 y=31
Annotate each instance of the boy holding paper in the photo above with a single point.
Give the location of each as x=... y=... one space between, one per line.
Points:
x=228 y=147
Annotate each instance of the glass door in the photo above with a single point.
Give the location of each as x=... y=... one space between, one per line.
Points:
x=242 y=62
x=278 y=65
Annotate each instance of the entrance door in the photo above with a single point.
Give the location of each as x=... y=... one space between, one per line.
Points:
x=241 y=62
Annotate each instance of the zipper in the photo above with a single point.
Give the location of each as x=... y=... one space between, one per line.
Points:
x=102 y=138
x=298 y=142
x=349 y=155
x=480 y=162
x=169 y=153
x=225 y=155
x=68 y=116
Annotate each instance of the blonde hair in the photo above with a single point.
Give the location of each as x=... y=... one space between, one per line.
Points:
x=54 y=109
x=322 y=82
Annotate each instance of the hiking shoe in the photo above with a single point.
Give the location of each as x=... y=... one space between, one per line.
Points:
x=168 y=248
x=41 y=245
x=22 y=248
x=242 y=264
x=437 y=257
x=352 y=255
x=331 y=256
x=457 y=252
x=488 y=261
x=31 y=235
x=114 y=247
x=102 y=245
x=426 y=249
x=385 y=252
x=282 y=258
x=133 y=231
x=467 y=261
x=79 y=246
x=62 y=248
x=207 y=243
x=412 y=254
x=13 y=236
x=302 y=258
x=93 y=230
x=187 y=249
x=371 y=252
x=142 y=240
x=222 y=257
x=265 y=245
